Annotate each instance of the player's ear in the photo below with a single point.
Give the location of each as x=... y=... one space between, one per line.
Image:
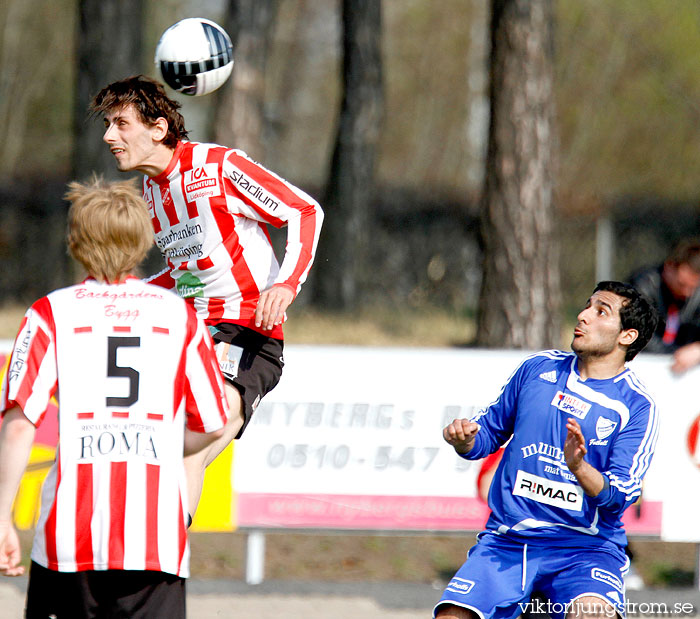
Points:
x=627 y=336
x=159 y=129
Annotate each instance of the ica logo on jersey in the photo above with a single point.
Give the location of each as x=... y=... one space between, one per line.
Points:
x=202 y=182
x=570 y=404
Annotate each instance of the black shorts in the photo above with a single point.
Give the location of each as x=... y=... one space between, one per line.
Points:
x=104 y=594
x=250 y=361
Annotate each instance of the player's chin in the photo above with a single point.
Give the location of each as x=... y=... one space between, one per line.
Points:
x=122 y=163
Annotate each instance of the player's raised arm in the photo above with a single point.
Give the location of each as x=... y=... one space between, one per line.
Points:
x=460 y=434
x=590 y=479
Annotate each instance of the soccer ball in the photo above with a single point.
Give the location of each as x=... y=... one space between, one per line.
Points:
x=194 y=56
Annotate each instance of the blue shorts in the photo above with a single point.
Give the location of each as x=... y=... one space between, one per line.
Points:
x=500 y=576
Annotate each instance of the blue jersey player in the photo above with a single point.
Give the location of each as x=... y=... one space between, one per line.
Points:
x=580 y=430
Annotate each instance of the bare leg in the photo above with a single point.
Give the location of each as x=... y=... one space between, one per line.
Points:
x=196 y=463
x=591 y=607
x=448 y=611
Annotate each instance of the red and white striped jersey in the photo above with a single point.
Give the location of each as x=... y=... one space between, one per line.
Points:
x=210 y=210
x=131 y=365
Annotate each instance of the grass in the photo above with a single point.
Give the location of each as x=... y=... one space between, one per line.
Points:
x=376 y=327
x=379 y=327
x=337 y=558
x=431 y=559
x=427 y=327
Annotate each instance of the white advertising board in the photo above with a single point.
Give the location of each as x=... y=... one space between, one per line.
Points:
x=352 y=438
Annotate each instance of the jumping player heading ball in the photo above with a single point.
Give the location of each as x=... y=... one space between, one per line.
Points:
x=210 y=207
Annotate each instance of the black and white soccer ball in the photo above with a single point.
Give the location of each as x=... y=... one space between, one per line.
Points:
x=194 y=56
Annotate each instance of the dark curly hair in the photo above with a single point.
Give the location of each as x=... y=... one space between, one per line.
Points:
x=636 y=313
x=149 y=100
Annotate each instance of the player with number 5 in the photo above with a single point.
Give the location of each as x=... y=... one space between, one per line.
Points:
x=138 y=387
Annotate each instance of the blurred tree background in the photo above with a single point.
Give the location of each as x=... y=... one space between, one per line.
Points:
x=626 y=90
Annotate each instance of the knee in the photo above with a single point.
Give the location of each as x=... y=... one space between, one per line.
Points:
x=235 y=403
x=591 y=607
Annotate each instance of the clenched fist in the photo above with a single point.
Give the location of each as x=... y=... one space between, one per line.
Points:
x=460 y=434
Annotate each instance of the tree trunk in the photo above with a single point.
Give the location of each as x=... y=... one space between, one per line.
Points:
x=520 y=292
x=109 y=48
x=340 y=264
x=240 y=109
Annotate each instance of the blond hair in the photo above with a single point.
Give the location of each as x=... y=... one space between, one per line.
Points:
x=109 y=228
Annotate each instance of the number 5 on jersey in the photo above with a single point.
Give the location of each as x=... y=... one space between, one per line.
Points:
x=118 y=371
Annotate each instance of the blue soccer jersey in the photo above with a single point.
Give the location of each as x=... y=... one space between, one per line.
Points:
x=533 y=495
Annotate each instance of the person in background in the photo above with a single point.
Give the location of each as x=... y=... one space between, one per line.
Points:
x=674 y=288
x=138 y=387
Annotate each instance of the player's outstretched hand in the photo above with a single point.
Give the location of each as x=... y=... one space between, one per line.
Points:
x=460 y=434
x=272 y=305
x=9 y=550
x=574 y=445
